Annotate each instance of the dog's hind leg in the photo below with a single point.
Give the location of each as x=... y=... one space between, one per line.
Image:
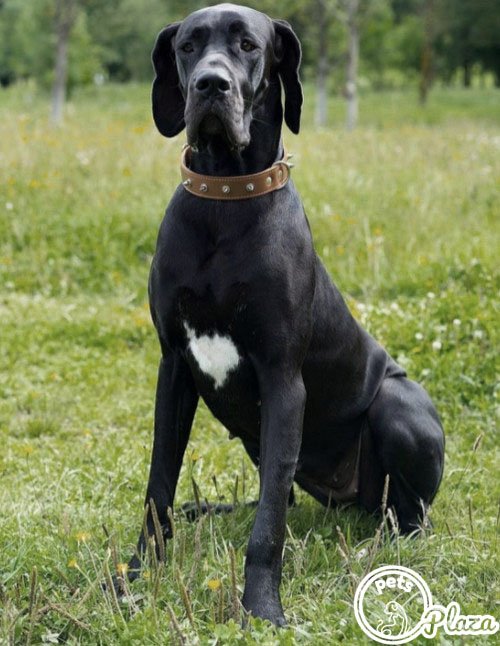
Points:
x=176 y=401
x=408 y=445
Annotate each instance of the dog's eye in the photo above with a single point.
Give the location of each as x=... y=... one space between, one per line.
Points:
x=187 y=47
x=247 y=46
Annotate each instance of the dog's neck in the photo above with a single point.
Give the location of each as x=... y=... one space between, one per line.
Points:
x=216 y=157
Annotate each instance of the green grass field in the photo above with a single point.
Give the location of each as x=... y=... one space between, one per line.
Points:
x=405 y=215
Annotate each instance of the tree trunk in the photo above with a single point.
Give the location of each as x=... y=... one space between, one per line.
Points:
x=467 y=68
x=426 y=71
x=64 y=21
x=352 y=64
x=322 y=67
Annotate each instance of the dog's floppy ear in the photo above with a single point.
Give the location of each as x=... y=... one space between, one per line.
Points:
x=288 y=54
x=168 y=102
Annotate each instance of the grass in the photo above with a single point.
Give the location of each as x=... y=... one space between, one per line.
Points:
x=404 y=213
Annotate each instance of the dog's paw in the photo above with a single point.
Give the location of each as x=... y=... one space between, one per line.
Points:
x=119 y=581
x=270 y=610
x=193 y=511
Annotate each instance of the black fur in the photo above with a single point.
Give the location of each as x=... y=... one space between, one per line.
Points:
x=310 y=379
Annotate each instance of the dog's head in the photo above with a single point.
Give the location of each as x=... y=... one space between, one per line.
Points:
x=213 y=71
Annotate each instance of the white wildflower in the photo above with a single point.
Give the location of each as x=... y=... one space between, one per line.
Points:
x=404 y=361
x=84 y=157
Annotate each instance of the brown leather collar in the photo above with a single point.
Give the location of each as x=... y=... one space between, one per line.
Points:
x=237 y=187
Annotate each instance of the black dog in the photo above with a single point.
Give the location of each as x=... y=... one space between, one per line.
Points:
x=247 y=316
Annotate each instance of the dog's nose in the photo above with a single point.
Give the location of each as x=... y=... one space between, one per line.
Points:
x=212 y=82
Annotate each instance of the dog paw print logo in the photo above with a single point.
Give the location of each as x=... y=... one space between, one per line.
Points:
x=390 y=603
x=397 y=622
x=393 y=605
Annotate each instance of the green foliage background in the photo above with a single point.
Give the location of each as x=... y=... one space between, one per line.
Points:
x=114 y=38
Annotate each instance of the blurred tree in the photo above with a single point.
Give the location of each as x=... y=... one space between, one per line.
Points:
x=324 y=13
x=65 y=17
x=8 y=15
x=427 y=50
x=327 y=29
x=399 y=41
x=376 y=29
x=448 y=35
x=468 y=32
x=84 y=60
x=345 y=23
x=27 y=44
x=358 y=17
x=351 y=90
x=125 y=31
x=412 y=41
x=404 y=45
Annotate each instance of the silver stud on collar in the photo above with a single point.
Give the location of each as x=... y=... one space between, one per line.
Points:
x=250 y=187
x=269 y=180
x=187 y=182
x=226 y=189
x=203 y=188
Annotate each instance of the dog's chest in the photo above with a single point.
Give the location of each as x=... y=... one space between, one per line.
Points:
x=216 y=355
x=204 y=297
x=211 y=329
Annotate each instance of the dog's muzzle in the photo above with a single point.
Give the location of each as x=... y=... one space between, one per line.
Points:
x=215 y=105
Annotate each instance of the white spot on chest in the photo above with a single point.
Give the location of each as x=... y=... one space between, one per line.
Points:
x=215 y=355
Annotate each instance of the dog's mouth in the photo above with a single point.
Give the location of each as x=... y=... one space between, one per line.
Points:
x=211 y=124
x=216 y=121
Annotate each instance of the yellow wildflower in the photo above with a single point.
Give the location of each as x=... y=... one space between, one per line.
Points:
x=122 y=568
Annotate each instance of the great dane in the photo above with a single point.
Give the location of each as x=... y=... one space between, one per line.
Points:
x=247 y=316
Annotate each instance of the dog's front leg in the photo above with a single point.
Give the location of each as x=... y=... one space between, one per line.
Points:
x=176 y=400
x=283 y=399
